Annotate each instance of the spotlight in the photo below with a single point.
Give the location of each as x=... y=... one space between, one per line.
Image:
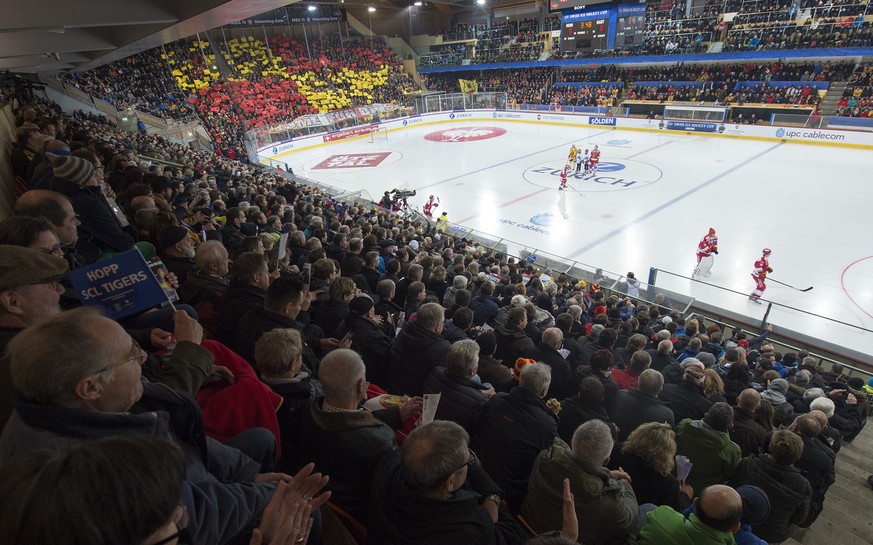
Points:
x=480 y=2
x=371 y=9
x=311 y=7
x=418 y=3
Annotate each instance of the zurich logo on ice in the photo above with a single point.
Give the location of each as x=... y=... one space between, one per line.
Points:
x=610 y=167
x=451 y=116
x=543 y=220
x=405 y=122
x=275 y=151
x=780 y=133
x=620 y=142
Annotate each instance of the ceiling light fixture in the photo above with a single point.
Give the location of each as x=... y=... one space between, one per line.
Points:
x=311 y=7
x=480 y=2
x=418 y=3
x=371 y=9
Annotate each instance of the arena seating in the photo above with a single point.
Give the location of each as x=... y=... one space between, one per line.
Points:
x=857 y=99
x=317 y=217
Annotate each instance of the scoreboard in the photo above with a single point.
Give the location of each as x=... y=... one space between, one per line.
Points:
x=585 y=35
x=630 y=26
x=613 y=27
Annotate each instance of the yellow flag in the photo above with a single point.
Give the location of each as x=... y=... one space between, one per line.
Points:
x=469 y=85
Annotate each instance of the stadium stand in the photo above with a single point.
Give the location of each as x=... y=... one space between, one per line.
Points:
x=261 y=369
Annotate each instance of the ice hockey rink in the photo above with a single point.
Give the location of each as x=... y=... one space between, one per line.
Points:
x=654 y=197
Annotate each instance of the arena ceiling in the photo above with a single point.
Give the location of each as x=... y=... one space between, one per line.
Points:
x=64 y=35
x=59 y=35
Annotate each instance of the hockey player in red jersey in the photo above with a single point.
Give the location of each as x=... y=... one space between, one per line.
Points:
x=759 y=274
x=430 y=206
x=594 y=160
x=564 y=178
x=707 y=246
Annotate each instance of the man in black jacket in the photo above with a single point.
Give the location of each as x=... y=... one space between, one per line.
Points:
x=371 y=337
x=249 y=279
x=369 y=270
x=562 y=384
x=746 y=432
x=686 y=399
x=434 y=491
x=817 y=463
x=663 y=356
x=633 y=408
x=344 y=440
x=285 y=306
x=231 y=235
x=416 y=350
x=462 y=398
x=352 y=262
x=333 y=311
x=515 y=427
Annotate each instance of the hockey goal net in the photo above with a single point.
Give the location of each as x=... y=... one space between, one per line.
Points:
x=376 y=134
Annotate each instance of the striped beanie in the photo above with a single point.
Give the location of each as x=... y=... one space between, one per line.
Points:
x=74 y=169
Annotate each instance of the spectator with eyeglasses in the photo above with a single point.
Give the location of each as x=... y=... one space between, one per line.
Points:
x=435 y=491
x=78 y=377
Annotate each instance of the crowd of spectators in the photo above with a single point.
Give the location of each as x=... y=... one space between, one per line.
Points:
x=522 y=86
x=443 y=55
x=857 y=99
x=570 y=405
x=791 y=36
x=267 y=85
x=585 y=95
x=142 y=81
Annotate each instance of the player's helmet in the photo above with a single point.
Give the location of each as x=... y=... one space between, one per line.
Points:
x=766 y=251
x=711 y=231
x=431 y=196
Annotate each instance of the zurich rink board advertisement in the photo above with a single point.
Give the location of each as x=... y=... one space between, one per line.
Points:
x=854 y=139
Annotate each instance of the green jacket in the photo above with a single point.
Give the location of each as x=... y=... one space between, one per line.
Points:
x=664 y=526
x=714 y=455
x=607 y=508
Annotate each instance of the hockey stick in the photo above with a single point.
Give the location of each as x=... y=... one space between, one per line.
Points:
x=789 y=285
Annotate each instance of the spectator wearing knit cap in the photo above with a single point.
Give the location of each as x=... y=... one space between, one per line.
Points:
x=177 y=251
x=686 y=399
x=101 y=234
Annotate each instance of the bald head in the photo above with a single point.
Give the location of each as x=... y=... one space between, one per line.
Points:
x=665 y=347
x=806 y=425
x=553 y=336
x=821 y=418
x=720 y=508
x=341 y=373
x=54 y=207
x=749 y=400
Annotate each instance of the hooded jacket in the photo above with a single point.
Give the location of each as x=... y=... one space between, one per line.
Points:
x=664 y=525
x=606 y=508
x=788 y=490
x=783 y=412
x=714 y=455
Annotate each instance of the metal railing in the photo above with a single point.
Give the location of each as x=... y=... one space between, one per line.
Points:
x=777 y=343
x=848 y=354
